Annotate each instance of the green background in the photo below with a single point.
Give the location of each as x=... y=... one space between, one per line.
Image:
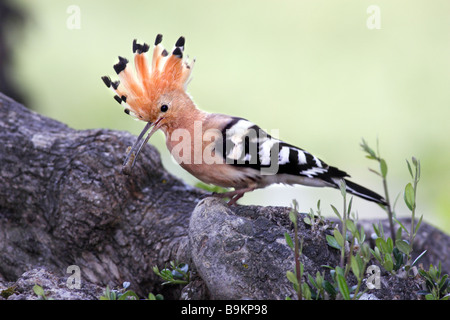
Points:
x=312 y=70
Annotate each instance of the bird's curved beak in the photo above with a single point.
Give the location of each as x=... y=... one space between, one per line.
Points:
x=134 y=151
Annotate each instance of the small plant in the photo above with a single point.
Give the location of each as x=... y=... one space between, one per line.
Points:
x=314 y=219
x=437 y=285
x=296 y=277
x=371 y=154
x=175 y=274
x=409 y=196
x=151 y=296
x=394 y=253
x=339 y=238
x=119 y=294
x=355 y=253
x=318 y=287
x=39 y=291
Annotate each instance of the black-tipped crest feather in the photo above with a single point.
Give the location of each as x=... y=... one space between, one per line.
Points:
x=107 y=81
x=140 y=48
x=177 y=52
x=121 y=65
x=158 y=39
x=180 y=42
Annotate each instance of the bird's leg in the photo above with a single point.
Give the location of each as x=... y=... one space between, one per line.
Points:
x=233 y=195
x=235 y=198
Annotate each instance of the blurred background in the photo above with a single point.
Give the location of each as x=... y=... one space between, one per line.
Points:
x=323 y=74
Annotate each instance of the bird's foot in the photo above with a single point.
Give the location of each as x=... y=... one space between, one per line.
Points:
x=234 y=196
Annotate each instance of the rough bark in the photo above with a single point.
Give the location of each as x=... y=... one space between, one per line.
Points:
x=64 y=201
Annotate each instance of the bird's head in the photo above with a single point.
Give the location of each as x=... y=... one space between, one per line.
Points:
x=154 y=93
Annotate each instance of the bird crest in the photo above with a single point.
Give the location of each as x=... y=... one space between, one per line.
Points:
x=137 y=91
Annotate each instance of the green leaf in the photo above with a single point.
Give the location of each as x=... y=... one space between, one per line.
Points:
x=383 y=168
x=443 y=282
x=293 y=217
x=38 y=290
x=367 y=149
x=336 y=212
x=343 y=287
x=409 y=196
x=339 y=238
x=307 y=220
x=398 y=258
x=365 y=252
x=349 y=206
x=319 y=280
x=362 y=235
x=398 y=234
x=155 y=269
x=382 y=245
x=355 y=267
x=409 y=169
x=388 y=263
x=291 y=277
x=418 y=171
x=375 y=229
x=332 y=242
x=379 y=230
x=390 y=245
x=401 y=225
x=343 y=187
x=351 y=226
x=127 y=294
x=210 y=188
x=418 y=224
x=289 y=241
x=403 y=246
x=166 y=274
x=376 y=253
x=340 y=271
x=312 y=281
x=306 y=291
x=329 y=288
x=432 y=272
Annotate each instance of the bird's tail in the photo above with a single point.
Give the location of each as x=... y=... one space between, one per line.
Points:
x=362 y=192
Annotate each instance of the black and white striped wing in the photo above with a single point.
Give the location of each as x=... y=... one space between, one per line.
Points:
x=247 y=145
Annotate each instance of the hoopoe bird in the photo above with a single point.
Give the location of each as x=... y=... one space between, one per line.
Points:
x=218 y=149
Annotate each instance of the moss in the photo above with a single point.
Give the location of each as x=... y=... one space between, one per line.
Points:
x=8 y=292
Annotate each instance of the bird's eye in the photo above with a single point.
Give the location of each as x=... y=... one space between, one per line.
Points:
x=164 y=107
